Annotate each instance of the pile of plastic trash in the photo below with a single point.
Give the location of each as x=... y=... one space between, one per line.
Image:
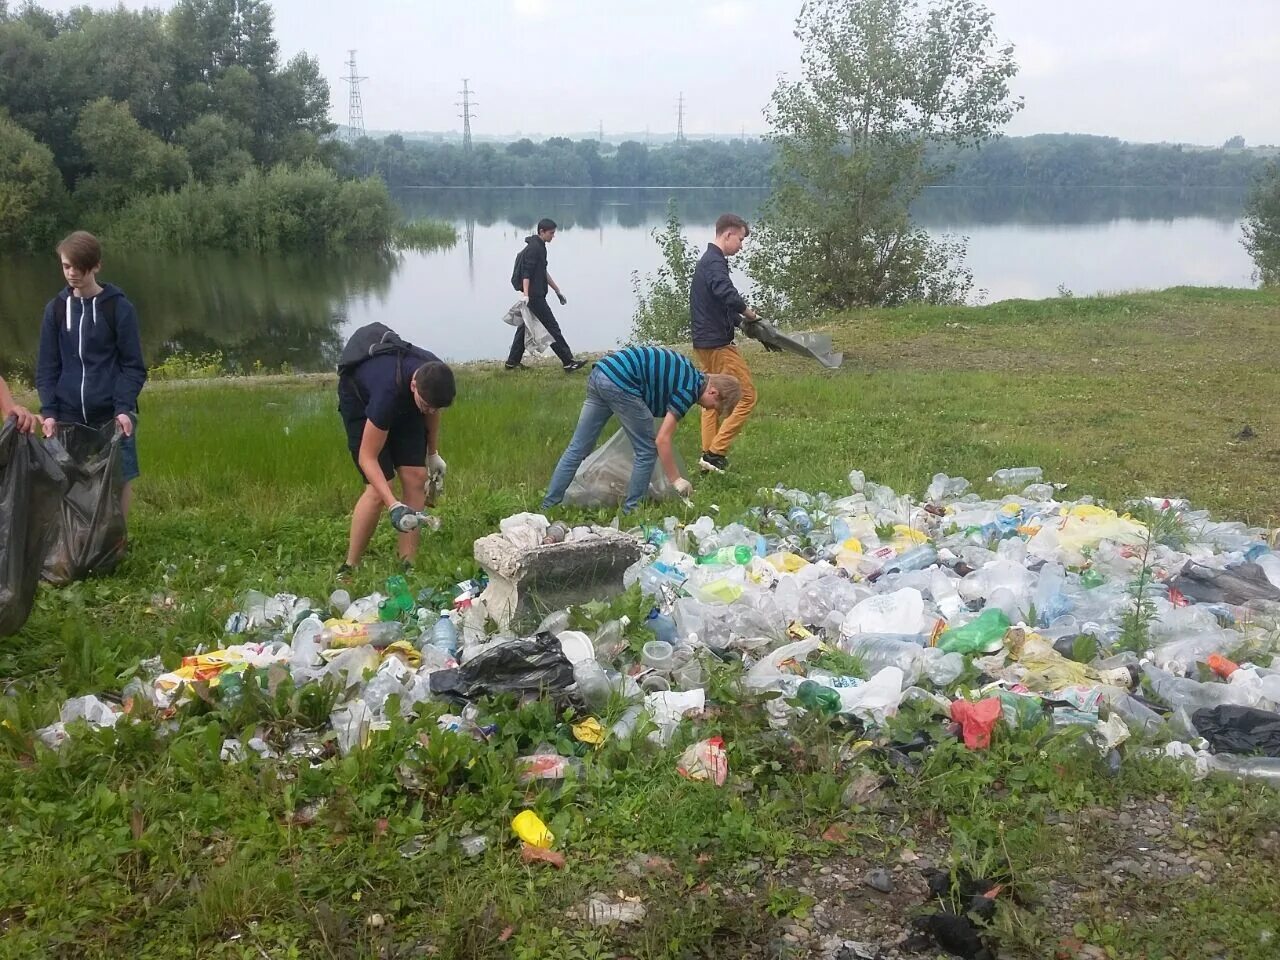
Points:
x=1018 y=610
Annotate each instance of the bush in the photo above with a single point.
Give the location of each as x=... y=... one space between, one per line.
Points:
x=662 y=311
x=31 y=193
x=1262 y=227
x=287 y=208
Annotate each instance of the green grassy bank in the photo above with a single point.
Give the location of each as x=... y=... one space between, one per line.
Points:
x=137 y=844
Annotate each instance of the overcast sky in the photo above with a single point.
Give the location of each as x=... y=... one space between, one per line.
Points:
x=1181 y=70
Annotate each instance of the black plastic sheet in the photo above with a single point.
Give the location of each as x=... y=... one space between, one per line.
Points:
x=32 y=480
x=1235 y=729
x=91 y=525
x=536 y=665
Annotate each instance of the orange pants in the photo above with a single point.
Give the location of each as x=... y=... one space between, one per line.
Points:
x=717 y=434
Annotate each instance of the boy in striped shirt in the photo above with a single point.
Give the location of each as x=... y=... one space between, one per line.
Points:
x=640 y=384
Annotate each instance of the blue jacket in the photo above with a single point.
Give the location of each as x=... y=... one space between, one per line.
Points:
x=715 y=306
x=90 y=366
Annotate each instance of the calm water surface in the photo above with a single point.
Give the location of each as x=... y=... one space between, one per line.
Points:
x=297 y=310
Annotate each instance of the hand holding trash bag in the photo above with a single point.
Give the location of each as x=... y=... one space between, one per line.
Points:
x=755 y=331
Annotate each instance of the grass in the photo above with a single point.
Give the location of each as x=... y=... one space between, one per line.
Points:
x=148 y=845
x=426 y=235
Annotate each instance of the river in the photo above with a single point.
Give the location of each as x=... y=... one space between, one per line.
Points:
x=295 y=311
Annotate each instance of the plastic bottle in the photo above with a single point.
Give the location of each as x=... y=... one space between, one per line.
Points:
x=1016 y=477
x=398 y=593
x=1050 y=599
x=945 y=595
x=388 y=610
x=1264 y=769
x=877 y=651
x=610 y=640
x=799 y=520
x=444 y=635
x=728 y=556
x=555 y=623
x=593 y=683
x=556 y=533
x=339 y=600
x=663 y=626
x=917 y=558
x=977 y=636
x=818 y=698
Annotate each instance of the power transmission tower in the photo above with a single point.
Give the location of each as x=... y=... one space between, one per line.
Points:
x=355 y=106
x=680 y=118
x=466 y=115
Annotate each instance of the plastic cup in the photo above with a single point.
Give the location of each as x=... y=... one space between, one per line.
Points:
x=657 y=655
x=655 y=683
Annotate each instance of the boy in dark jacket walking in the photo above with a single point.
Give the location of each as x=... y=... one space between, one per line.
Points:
x=532 y=282
x=90 y=368
x=716 y=310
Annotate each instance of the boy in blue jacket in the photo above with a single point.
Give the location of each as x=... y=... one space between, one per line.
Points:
x=90 y=368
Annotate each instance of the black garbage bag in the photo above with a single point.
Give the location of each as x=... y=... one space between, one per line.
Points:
x=32 y=479
x=1234 y=729
x=535 y=665
x=91 y=527
x=1235 y=585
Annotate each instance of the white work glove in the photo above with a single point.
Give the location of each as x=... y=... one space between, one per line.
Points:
x=436 y=466
x=683 y=487
x=404 y=518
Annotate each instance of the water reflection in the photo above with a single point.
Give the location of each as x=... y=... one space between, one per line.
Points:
x=272 y=311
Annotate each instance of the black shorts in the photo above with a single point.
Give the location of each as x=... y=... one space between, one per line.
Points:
x=406 y=444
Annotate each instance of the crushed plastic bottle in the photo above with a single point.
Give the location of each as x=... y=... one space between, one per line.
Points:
x=1015 y=478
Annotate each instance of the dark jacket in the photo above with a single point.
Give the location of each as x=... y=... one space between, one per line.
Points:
x=533 y=266
x=715 y=306
x=90 y=365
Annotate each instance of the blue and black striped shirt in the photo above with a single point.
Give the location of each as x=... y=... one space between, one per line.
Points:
x=666 y=381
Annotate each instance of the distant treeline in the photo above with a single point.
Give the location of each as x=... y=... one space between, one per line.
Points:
x=561 y=162
x=1051 y=160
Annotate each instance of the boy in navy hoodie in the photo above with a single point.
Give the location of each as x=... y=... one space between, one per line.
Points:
x=90 y=367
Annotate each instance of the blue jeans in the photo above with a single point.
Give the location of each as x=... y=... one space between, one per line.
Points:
x=604 y=399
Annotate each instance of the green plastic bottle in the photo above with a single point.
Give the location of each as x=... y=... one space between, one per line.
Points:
x=977 y=636
x=1090 y=578
x=398 y=591
x=818 y=698
x=727 y=556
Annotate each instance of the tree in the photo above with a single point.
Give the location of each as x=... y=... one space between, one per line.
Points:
x=880 y=81
x=1234 y=143
x=32 y=196
x=216 y=148
x=1262 y=227
x=125 y=160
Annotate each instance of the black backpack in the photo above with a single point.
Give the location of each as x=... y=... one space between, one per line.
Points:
x=517 y=272
x=376 y=340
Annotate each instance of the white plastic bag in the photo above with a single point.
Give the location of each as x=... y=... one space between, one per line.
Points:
x=876 y=699
x=900 y=612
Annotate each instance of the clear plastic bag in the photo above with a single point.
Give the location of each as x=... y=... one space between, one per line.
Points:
x=602 y=479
